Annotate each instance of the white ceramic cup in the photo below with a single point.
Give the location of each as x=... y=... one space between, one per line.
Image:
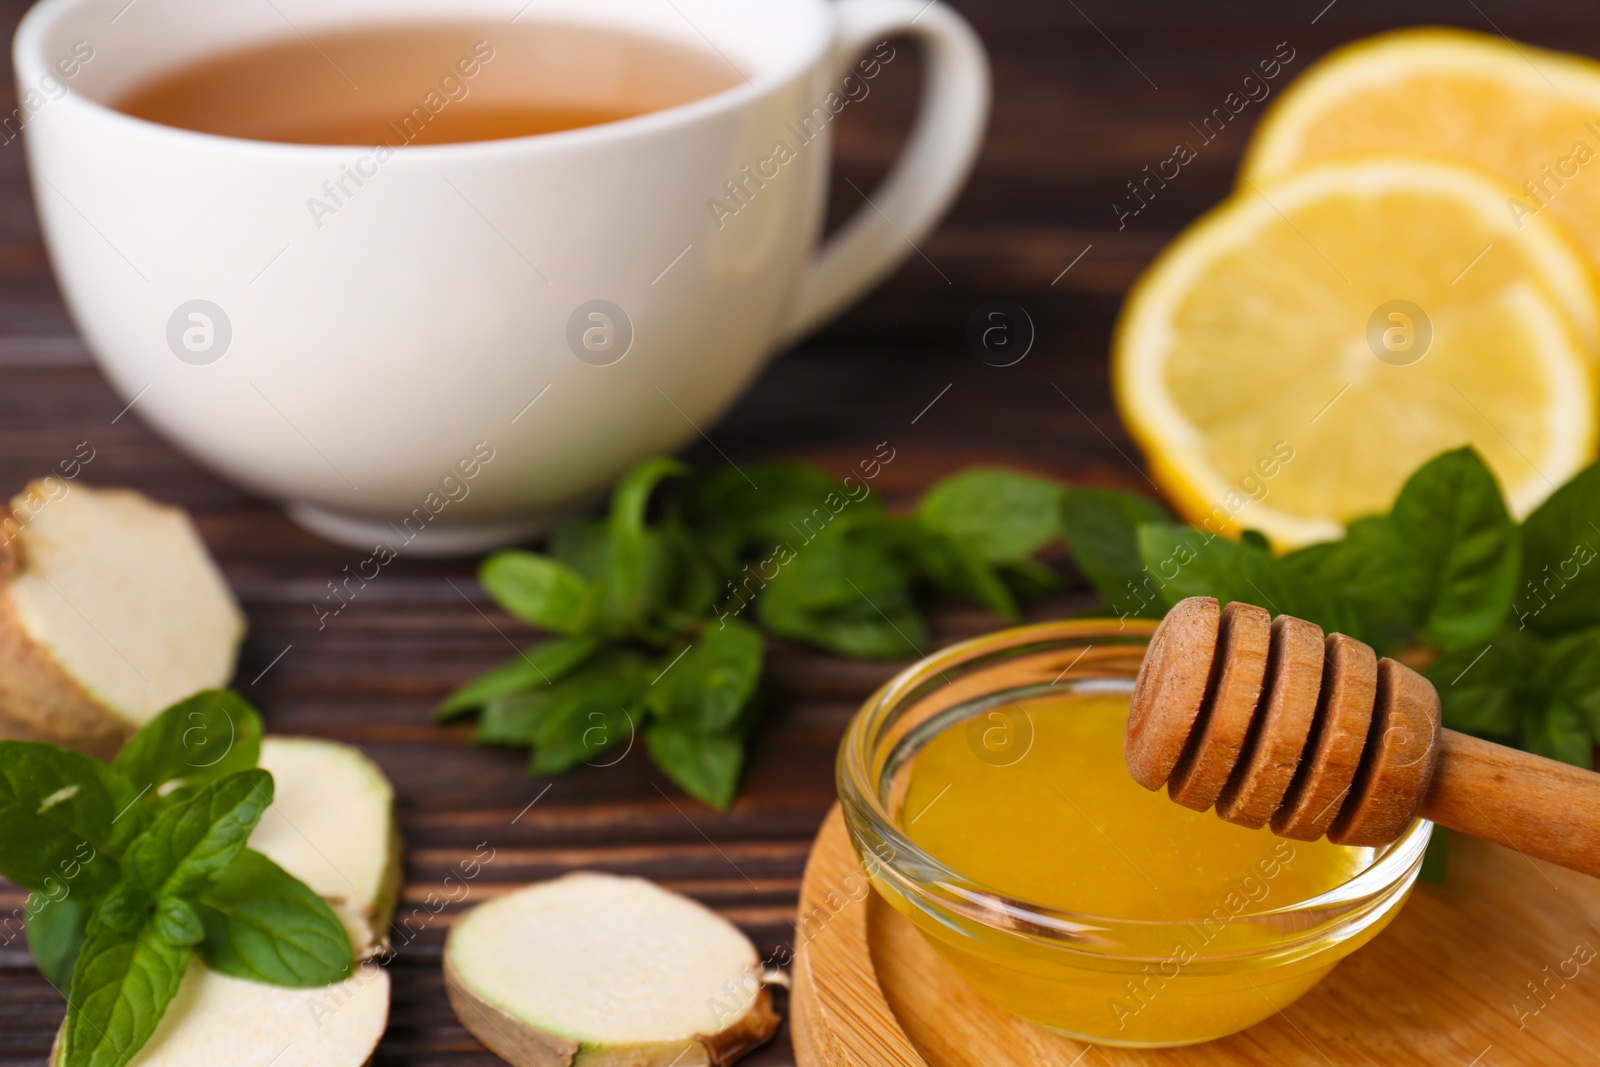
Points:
x=360 y=368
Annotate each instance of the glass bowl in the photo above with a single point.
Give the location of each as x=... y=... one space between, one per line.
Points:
x=1100 y=978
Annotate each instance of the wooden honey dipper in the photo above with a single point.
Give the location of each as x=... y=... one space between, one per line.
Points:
x=1273 y=723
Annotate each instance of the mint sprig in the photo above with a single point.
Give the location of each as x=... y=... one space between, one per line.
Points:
x=660 y=606
x=136 y=866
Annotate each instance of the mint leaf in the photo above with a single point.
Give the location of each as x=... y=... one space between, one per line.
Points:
x=1488 y=691
x=1030 y=577
x=177 y=922
x=884 y=630
x=582 y=734
x=538 y=666
x=1184 y=562
x=1559 y=732
x=1444 y=562
x=849 y=589
x=190 y=843
x=1560 y=585
x=1101 y=528
x=121 y=987
x=626 y=579
x=539 y=590
x=1570 y=674
x=213 y=734
x=698 y=566
x=610 y=679
x=796 y=502
x=55 y=929
x=585 y=546
x=957 y=568
x=59 y=812
x=713 y=682
x=1435 y=860
x=998 y=515
x=661 y=571
x=981 y=520
x=707 y=768
x=1459 y=552
x=126 y=908
x=263 y=924
x=1355 y=580
x=1538 y=694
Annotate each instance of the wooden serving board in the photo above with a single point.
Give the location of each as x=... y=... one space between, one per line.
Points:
x=1445 y=984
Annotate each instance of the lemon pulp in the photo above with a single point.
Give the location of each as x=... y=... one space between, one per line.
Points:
x=1529 y=116
x=1254 y=362
x=1052 y=817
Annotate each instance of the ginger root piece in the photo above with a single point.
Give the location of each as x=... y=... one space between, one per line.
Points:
x=595 y=970
x=111 y=610
x=332 y=826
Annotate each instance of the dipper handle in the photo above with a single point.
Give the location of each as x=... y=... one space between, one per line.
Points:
x=1270 y=721
x=1538 y=806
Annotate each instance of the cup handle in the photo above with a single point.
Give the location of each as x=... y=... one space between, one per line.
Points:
x=931 y=170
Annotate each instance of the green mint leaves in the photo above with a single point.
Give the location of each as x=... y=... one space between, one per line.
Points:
x=714 y=680
x=190 y=842
x=1439 y=569
x=58 y=818
x=540 y=665
x=261 y=923
x=848 y=589
x=209 y=736
x=1456 y=553
x=539 y=591
x=136 y=866
x=1504 y=618
x=124 y=980
x=982 y=524
x=1559 y=591
x=659 y=607
x=1101 y=527
x=55 y=929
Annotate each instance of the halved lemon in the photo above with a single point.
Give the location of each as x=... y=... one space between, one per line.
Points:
x=1291 y=358
x=1528 y=116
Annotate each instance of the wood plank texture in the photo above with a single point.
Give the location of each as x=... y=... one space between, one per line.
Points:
x=1078 y=113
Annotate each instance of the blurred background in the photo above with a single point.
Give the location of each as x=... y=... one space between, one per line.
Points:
x=1087 y=93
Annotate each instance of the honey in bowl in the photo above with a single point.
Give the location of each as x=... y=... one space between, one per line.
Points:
x=1033 y=802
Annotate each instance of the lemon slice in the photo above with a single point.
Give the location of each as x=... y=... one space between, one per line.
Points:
x=1295 y=354
x=1528 y=116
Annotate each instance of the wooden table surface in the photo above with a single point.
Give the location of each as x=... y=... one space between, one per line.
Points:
x=1087 y=93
